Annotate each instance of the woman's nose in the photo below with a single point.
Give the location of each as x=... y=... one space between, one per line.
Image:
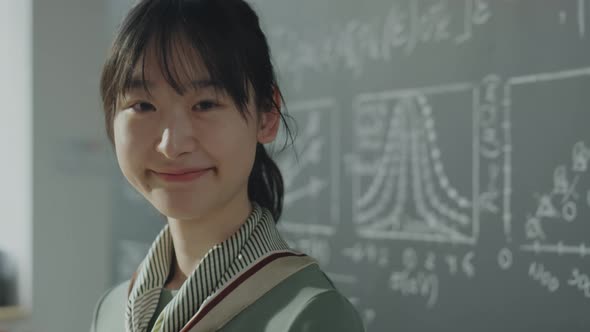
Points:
x=177 y=137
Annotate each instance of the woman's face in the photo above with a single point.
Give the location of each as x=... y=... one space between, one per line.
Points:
x=189 y=155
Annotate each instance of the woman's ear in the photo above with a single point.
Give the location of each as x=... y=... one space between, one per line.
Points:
x=270 y=120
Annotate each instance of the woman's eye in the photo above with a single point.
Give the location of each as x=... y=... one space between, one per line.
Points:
x=143 y=107
x=205 y=105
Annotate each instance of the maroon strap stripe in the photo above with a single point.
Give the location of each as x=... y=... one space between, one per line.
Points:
x=227 y=290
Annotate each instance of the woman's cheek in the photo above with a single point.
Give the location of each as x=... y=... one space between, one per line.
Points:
x=127 y=140
x=134 y=133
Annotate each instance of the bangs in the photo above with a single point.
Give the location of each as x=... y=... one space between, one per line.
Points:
x=188 y=40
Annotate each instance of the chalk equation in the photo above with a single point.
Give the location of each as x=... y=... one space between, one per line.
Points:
x=401 y=30
x=354 y=44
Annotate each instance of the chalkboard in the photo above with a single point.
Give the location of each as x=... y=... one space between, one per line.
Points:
x=441 y=175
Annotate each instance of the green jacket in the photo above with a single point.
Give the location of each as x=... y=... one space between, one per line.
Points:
x=305 y=301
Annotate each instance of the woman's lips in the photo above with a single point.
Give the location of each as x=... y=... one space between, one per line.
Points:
x=182 y=176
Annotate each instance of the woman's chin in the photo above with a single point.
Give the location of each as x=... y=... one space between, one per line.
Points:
x=179 y=213
x=180 y=208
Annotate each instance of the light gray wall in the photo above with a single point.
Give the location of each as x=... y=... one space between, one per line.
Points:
x=72 y=166
x=17 y=148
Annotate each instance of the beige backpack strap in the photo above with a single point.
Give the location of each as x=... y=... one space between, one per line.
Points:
x=245 y=288
x=131 y=283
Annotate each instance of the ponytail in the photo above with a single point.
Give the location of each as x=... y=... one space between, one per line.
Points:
x=265 y=185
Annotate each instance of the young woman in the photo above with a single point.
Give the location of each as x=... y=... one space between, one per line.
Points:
x=190 y=97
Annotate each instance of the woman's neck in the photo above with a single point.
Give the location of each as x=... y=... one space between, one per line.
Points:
x=194 y=238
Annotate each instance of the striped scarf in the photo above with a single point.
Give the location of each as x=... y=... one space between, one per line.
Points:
x=255 y=238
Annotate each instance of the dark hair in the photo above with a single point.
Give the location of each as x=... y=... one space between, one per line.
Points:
x=226 y=34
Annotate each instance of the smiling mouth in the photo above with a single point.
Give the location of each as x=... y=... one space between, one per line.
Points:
x=182 y=177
